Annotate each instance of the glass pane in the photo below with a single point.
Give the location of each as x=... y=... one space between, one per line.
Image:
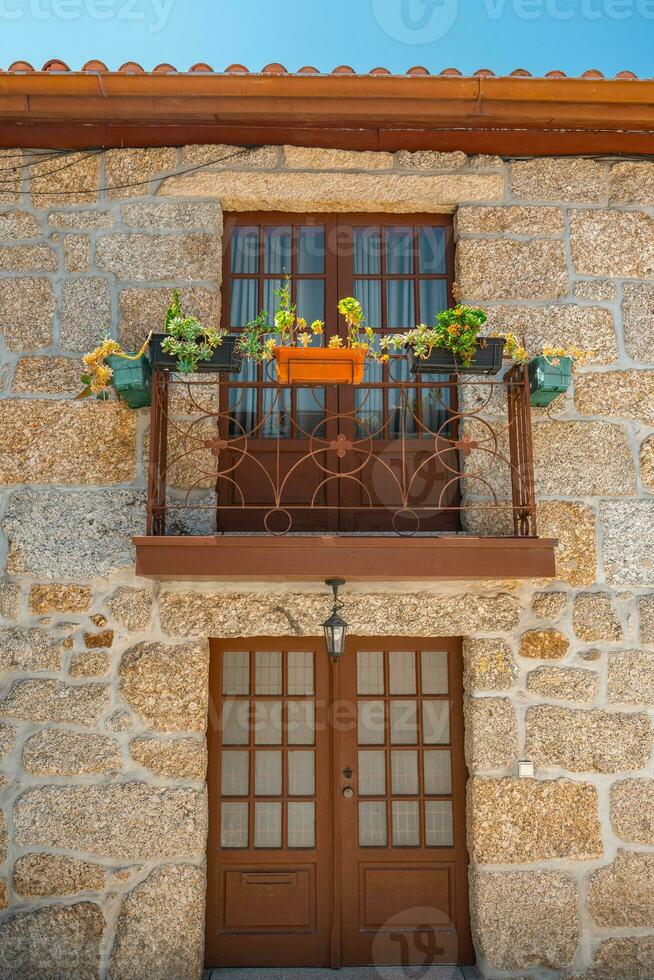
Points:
x=309 y=412
x=311 y=303
x=267 y=825
x=433 y=299
x=267 y=773
x=367 y=251
x=267 y=673
x=404 y=773
x=431 y=246
x=402 y=405
x=301 y=722
x=277 y=249
x=369 y=402
x=438 y=772
x=372 y=773
x=434 y=672
x=400 y=309
x=311 y=250
x=234 y=773
x=372 y=824
x=436 y=722
x=233 y=825
x=370 y=672
x=243 y=301
x=402 y=672
x=245 y=250
x=436 y=402
x=236 y=672
x=301 y=824
x=438 y=823
x=301 y=774
x=274 y=419
x=300 y=673
x=270 y=301
x=406 y=823
x=399 y=251
x=368 y=292
x=370 y=726
x=234 y=721
x=404 y=722
x=268 y=722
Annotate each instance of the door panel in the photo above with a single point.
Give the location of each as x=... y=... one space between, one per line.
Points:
x=270 y=815
x=402 y=832
x=336 y=804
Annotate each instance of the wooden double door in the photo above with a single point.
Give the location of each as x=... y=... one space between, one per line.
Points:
x=336 y=804
x=338 y=457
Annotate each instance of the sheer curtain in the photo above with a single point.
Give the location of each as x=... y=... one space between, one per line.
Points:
x=243 y=307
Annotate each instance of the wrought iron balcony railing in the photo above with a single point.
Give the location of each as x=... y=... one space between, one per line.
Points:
x=420 y=456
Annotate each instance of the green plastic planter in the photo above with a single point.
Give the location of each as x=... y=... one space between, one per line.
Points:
x=547 y=380
x=132 y=380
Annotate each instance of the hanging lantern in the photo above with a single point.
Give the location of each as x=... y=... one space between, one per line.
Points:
x=335 y=628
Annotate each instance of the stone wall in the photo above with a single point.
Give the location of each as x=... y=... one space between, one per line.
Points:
x=103 y=694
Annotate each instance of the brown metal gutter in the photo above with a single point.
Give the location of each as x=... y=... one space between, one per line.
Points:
x=513 y=115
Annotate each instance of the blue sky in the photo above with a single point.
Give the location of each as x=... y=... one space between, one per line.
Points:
x=499 y=34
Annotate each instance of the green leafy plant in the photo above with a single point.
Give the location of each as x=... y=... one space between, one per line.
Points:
x=456 y=329
x=187 y=339
x=258 y=338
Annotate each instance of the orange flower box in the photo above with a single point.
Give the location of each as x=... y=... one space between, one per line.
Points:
x=320 y=365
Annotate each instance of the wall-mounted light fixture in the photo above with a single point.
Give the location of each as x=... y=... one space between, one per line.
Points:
x=335 y=627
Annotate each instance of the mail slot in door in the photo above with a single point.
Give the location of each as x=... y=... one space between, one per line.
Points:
x=268 y=879
x=269 y=900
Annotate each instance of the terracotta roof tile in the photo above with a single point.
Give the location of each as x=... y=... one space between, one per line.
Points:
x=274 y=68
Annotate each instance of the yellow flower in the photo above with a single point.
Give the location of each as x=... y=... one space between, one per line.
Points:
x=384 y=358
x=301 y=323
x=335 y=342
x=268 y=348
x=304 y=338
x=317 y=327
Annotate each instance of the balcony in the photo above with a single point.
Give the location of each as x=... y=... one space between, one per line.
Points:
x=407 y=479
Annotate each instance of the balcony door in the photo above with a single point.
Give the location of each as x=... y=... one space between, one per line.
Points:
x=334 y=458
x=336 y=805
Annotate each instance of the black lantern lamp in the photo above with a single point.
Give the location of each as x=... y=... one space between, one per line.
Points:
x=335 y=627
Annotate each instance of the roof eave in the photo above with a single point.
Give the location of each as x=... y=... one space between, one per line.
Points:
x=512 y=115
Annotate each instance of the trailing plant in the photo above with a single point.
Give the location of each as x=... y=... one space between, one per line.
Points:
x=187 y=339
x=519 y=353
x=97 y=374
x=455 y=329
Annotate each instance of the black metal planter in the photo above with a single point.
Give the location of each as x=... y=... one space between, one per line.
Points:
x=441 y=360
x=225 y=359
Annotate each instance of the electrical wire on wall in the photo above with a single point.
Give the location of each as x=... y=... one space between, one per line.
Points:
x=113 y=187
